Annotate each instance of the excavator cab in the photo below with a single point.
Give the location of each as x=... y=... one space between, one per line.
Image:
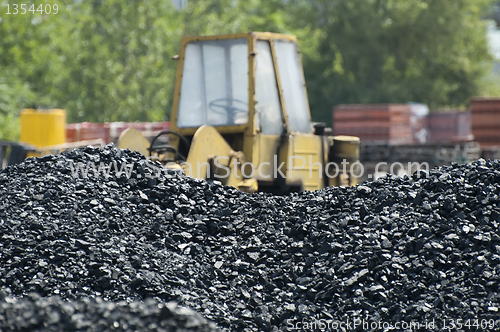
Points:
x=241 y=116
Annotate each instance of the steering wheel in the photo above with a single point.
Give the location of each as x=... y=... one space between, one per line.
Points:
x=228 y=105
x=161 y=149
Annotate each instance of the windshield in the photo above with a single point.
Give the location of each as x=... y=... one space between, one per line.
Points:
x=293 y=86
x=268 y=107
x=214 y=87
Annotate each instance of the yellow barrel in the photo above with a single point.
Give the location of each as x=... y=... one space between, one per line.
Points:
x=43 y=127
x=346 y=147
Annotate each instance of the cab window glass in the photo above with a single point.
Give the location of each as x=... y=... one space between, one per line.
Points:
x=267 y=108
x=293 y=86
x=214 y=87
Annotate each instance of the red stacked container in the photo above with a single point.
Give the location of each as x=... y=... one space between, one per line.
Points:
x=84 y=131
x=374 y=122
x=450 y=126
x=110 y=131
x=485 y=119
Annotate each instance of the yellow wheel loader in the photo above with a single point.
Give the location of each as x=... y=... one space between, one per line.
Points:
x=241 y=116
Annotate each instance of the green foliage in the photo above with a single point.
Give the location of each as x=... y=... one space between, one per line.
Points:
x=14 y=96
x=204 y=17
x=115 y=57
x=381 y=51
x=110 y=60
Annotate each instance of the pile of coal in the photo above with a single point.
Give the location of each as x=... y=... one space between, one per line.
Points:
x=415 y=249
x=34 y=313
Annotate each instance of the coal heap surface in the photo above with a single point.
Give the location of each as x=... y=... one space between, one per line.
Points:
x=397 y=249
x=34 y=313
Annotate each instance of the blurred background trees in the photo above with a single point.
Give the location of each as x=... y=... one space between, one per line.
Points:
x=380 y=51
x=110 y=60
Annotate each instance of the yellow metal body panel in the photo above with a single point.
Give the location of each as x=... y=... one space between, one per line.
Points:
x=266 y=147
x=43 y=127
x=210 y=149
x=304 y=164
x=132 y=139
x=207 y=143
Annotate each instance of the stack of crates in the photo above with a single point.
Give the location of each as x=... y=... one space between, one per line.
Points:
x=485 y=119
x=374 y=122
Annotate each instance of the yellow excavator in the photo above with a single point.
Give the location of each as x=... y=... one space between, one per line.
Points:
x=241 y=116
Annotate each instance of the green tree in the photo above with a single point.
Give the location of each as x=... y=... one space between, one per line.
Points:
x=23 y=55
x=14 y=96
x=381 y=51
x=115 y=58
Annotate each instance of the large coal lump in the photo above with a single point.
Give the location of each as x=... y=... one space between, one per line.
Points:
x=422 y=249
